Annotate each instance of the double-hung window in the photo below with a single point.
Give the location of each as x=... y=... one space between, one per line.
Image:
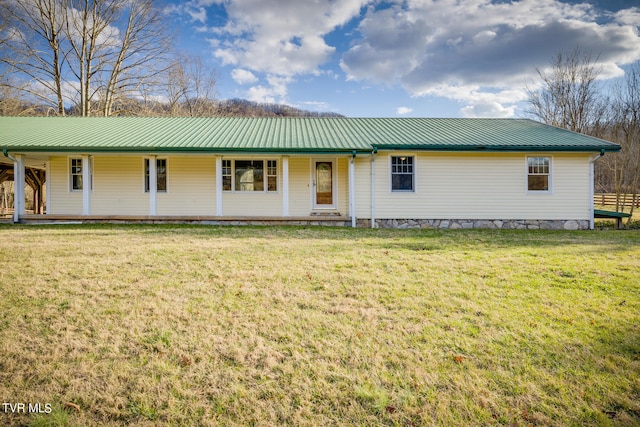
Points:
x=76 y=173
x=250 y=175
x=402 y=173
x=161 y=175
x=538 y=174
x=226 y=175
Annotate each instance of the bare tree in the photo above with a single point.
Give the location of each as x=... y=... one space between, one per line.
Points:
x=624 y=167
x=570 y=96
x=141 y=54
x=191 y=88
x=100 y=50
x=87 y=29
x=33 y=47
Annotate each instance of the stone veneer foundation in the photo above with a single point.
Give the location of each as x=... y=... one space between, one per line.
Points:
x=527 y=224
x=513 y=224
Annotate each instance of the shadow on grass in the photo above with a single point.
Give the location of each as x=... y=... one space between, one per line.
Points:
x=599 y=240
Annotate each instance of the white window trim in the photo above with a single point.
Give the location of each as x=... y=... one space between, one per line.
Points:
x=265 y=178
x=415 y=173
x=70 y=177
x=526 y=175
x=144 y=175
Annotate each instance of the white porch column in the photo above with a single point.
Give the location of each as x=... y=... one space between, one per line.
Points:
x=153 y=185
x=352 y=190
x=47 y=186
x=18 y=187
x=591 y=192
x=219 y=186
x=285 y=186
x=86 y=185
x=373 y=189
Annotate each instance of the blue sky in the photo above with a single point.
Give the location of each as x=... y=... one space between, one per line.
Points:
x=404 y=58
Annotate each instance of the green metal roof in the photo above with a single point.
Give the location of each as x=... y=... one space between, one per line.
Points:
x=285 y=135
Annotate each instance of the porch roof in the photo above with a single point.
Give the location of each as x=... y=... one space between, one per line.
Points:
x=285 y=135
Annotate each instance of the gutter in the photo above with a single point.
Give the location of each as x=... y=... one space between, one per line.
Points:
x=591 y=187
x=9 y=156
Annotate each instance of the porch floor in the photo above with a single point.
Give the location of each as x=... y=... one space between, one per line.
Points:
x=166 y=219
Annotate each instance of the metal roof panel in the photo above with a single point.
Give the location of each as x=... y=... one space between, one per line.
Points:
x=294 y=135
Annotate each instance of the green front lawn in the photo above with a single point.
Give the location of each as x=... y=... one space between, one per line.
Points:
x=180 y=325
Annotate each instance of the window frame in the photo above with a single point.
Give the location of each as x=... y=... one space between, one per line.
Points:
x=81 y=174
x=413 y=165
x=549 y=174
x=229 y=165
x=146 y=183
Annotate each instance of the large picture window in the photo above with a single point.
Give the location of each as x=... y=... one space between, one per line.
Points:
x=250 y=175
x=161 y=175
x=538 y=173
x=402 y=173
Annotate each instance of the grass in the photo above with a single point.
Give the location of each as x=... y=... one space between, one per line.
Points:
x=196 y=326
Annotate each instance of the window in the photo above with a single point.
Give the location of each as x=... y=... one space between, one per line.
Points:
x=226 y=175
x=249 y=175
x=272 y=175
x=161 y=175
x=402 y=173
x=76 y=174
x=538 y=173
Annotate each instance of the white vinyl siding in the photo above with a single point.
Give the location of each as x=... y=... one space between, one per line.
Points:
x=299 y=186
x=343 y=185
x=363 y=185
x=191 y=186
x=117 y=186
x=447 y=186
x=482 y=186
x=62 y=201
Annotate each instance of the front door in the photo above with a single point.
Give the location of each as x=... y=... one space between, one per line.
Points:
x=323 y=182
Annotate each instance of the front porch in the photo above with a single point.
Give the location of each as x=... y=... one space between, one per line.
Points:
x=313 y=220
x=201 y=188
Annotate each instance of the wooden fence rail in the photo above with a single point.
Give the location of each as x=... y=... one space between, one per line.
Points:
x=609 y=199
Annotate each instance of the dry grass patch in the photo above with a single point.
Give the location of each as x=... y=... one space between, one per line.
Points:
x=309 y=326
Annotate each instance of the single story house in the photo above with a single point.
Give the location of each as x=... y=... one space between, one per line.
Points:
x=368 y=172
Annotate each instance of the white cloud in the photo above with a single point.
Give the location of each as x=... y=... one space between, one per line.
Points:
x=480 y=53
x=490 y=109
x=403 y=110
x=317 y=105
x=276 y=92
x=243 y=77
x=196 y=10
x=281 y=37
x=629 y=16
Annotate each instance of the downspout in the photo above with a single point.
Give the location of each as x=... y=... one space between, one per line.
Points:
x=352 y=189
x=373 y=187
x=592 y=187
